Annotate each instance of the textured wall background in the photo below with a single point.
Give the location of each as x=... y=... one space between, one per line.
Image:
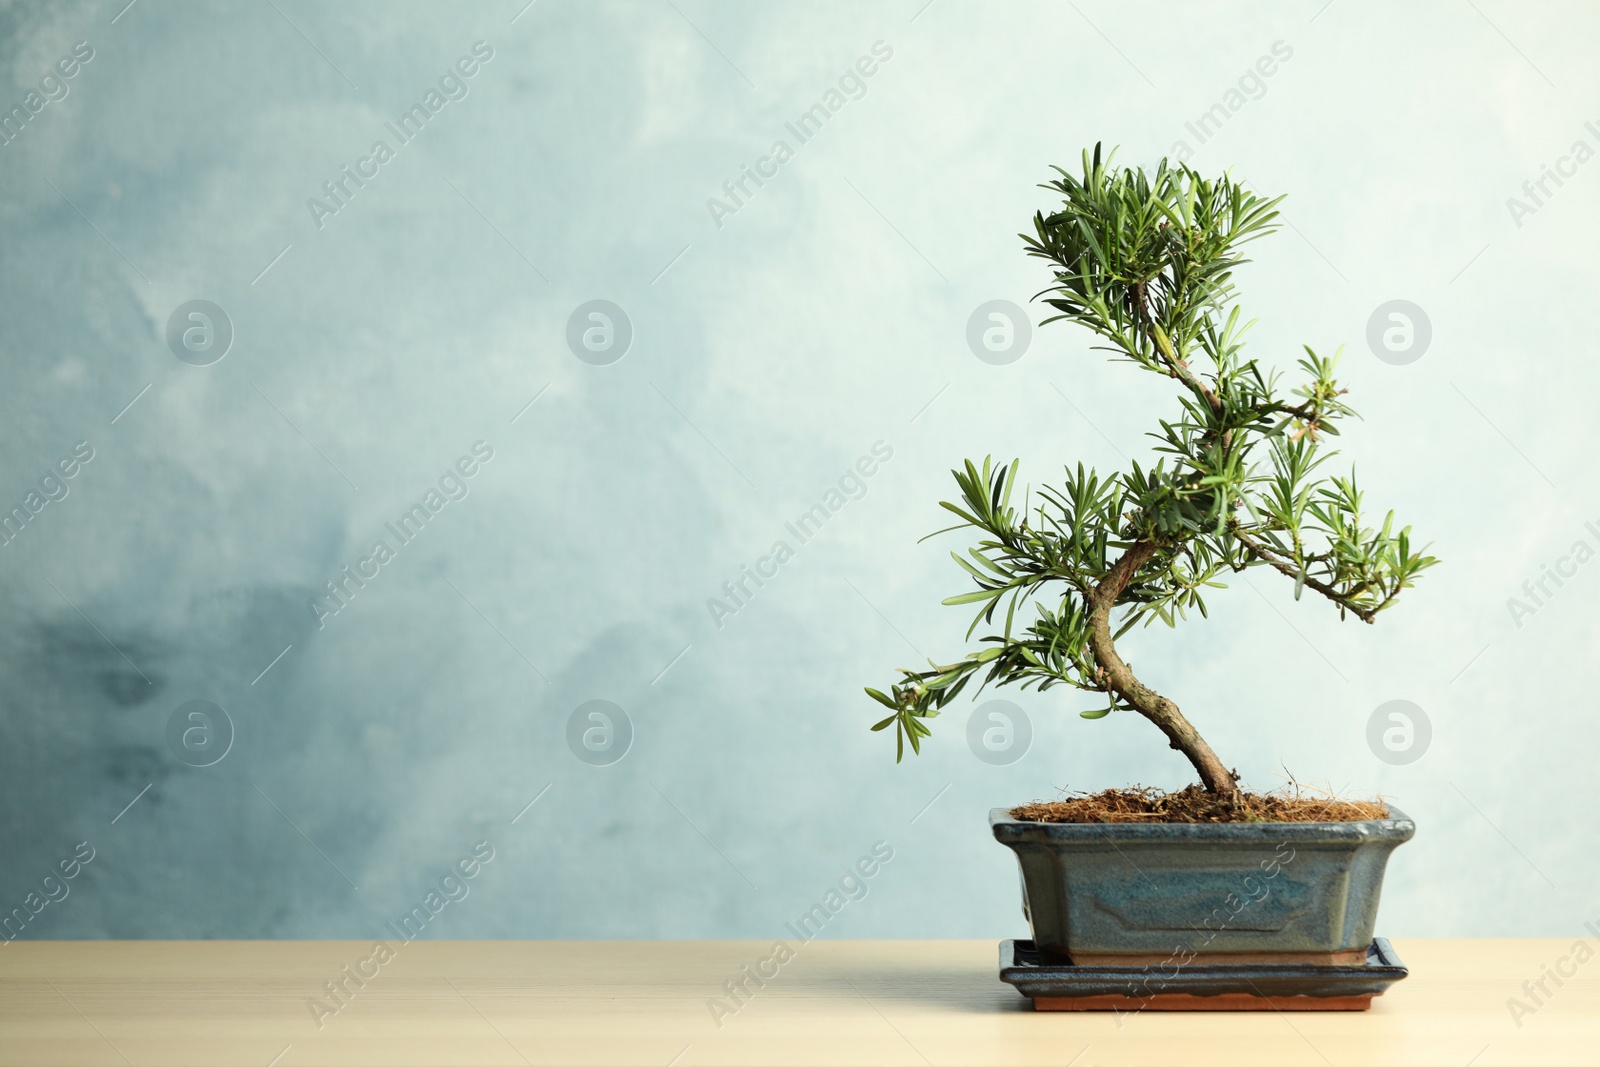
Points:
x=772 y=346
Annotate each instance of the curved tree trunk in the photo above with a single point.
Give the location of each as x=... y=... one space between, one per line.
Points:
x=1120 y=679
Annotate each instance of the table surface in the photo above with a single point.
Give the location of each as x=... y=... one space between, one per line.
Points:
x=651 y=1002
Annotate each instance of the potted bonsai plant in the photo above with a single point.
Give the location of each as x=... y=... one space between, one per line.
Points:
x=1211 y=877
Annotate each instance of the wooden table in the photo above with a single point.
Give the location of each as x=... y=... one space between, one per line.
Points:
x=834 y=1002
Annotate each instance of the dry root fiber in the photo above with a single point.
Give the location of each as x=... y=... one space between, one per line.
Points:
x=1194 y=804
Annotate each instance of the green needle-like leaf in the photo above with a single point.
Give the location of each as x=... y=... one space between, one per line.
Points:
x=1146 y=262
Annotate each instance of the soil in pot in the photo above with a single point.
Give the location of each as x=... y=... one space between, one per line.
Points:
x=1195 y=805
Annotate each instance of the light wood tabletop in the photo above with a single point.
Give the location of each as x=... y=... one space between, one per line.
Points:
x=662 y=1002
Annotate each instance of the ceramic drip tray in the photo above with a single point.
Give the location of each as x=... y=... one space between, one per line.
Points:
x=1212 y=987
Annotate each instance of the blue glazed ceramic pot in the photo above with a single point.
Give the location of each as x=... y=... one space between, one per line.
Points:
x=1176 y=893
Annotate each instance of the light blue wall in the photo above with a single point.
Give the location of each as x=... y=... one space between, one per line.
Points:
x=772 y=347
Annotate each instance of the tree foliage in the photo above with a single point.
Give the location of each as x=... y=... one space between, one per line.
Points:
x=1146 y=262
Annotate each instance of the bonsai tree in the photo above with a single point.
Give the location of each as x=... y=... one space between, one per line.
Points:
x=1146 y=262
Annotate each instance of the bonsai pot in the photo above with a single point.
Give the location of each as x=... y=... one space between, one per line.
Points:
x=1152 y=893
